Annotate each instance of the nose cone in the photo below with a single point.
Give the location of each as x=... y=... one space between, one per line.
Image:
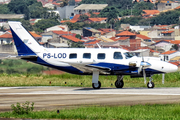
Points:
x=173 y=68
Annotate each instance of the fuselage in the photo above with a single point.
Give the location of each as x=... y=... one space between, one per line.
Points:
x=73 y=60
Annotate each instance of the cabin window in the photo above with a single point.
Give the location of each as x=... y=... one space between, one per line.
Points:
x=101 y=56
x=72 y=56
x=87 y=55
x=117 y=55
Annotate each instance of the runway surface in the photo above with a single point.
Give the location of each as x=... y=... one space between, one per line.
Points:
x=51 y=98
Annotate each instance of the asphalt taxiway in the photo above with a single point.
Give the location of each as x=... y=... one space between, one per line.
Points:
x=63 y=97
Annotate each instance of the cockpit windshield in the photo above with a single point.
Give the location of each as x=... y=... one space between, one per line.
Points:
x=129 y=55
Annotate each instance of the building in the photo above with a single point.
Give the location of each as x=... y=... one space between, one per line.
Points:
x=66 y=12
x=7 y=17
x=163 y=7
x=88 y=31
x=85 y=8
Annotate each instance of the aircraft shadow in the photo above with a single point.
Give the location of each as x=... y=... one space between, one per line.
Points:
x=106 y=88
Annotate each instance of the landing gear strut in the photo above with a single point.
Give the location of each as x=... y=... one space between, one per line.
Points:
x=95 y=83
x=150 y=83
x=119 y=82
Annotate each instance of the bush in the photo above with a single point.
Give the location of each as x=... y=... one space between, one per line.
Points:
x=22 y=109
x=11 y=71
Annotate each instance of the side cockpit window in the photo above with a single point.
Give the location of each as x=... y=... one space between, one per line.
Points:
x=101 y=56
x=73 y=56
x=87 y=55
x=118 y=55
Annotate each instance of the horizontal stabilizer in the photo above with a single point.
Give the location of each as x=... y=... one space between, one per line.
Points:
x=27 y=56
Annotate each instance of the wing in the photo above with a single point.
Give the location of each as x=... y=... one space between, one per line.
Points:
x=87 y=66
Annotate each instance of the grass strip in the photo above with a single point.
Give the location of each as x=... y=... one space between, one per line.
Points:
x=133 y=112
x=10 y=80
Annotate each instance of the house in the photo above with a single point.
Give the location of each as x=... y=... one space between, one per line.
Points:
x=143 y=38
x=126 y=34
x=36 y=36
x=165 y=45
x=91 y=43
x=86 y=8
x=107 y=32
x=96 y=20
x=68 y=38
x=88 y=31
x=168 y=34
x=150 y=13
x=168 y=55
x=6 y=38
x=33 y=21
x=53 y=35
x=49 y=5
x=57 y=28
x=139 y=28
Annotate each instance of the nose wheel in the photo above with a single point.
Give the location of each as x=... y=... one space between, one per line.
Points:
x=150 y=83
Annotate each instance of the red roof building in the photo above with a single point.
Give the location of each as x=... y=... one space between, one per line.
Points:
x=60 y=32
x=126 y=34
x=168 y=52
x=118 y=38
x=69 y=37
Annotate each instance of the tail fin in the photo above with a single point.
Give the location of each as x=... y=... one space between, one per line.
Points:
x=24 y=41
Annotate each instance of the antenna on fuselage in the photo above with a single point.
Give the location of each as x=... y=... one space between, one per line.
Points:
x=98 y=45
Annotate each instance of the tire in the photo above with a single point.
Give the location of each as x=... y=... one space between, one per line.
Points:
x=96 y=85
x=119 y=83
x=150 y=85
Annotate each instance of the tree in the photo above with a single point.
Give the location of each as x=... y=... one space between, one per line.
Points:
x=76 y=44
x=112 y=15
x=78 y=36
x=138 y=7
x=4 y=9
x=83 y=18
x=27 y=25
x=64 y=3
x=19 y=7
x=41 y=25
x=166 y=18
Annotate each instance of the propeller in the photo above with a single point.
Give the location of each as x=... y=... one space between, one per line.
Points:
x=143 y=66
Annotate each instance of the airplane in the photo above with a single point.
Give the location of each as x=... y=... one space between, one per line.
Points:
x=88 y=61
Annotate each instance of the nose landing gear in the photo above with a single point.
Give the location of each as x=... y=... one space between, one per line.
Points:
x=150 y=83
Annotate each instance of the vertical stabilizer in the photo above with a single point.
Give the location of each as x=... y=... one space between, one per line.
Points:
x=24 y=41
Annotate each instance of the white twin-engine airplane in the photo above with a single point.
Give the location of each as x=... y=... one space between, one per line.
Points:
x=88 y=61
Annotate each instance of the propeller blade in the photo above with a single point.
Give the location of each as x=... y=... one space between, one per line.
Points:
x=163 y=76
x=140 y=69
x=144 y=75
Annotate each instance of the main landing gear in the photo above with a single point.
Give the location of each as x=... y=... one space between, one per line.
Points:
x=150 y=83
x=119 y=82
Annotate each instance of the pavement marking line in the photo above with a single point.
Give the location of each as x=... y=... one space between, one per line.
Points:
x=89 y=93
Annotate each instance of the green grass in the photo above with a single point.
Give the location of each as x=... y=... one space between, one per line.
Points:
x=171 y=80
x=135 y=112
x=13 y=66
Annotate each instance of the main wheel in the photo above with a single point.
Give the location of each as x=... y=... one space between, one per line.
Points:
x=150 y=85
x=119 y=83
x=96 y=85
